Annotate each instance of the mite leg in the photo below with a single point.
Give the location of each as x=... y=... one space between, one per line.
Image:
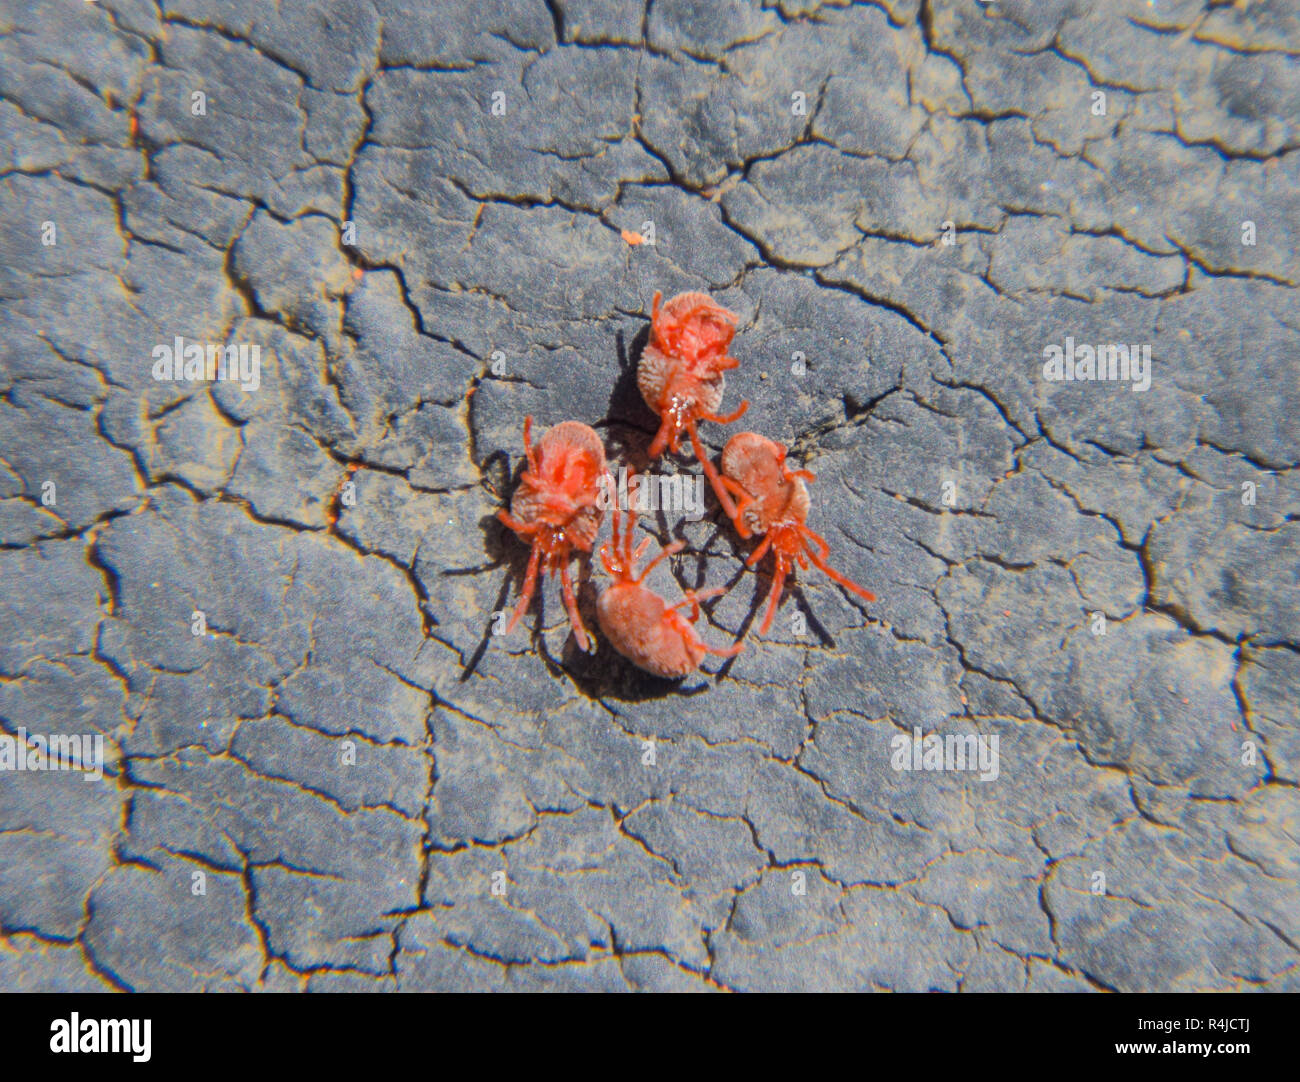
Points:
x=571 y=603
x=728 y=418
x=675 y=621
x=743 y=501
x=774 y=596
x=727 y=651
x=726 y=364
x=715 y=479
x=759 y=552
x=630 y=559
x=675 y=547
x=807 y=475
x=817 y=540
x=530 y=582
x=693 y=599
x=523 y=529
x=615 y=543
x=847 y=583
x=528 y=443
x=667 y=433
x=635 y=557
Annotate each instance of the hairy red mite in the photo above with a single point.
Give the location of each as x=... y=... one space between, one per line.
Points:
x=772 y=499
x=556 y=508
x=681 y=374
x=638 y=623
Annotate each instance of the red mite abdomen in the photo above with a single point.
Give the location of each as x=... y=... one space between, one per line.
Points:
x=691 y=325
x=658 y=372
x=754 y=462
x=570 y=459
x=748 y=457
x=684 y=303
x=573 y=436
x=632 y=619
x=652 y=375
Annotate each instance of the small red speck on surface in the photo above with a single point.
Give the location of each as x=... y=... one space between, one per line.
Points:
x=632 y=238
x=1006 y=612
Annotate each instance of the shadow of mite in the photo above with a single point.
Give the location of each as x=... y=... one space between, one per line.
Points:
x=606 y=674
x=626 y=406
x=472 y=665
x=501 y=553
x=497 y=476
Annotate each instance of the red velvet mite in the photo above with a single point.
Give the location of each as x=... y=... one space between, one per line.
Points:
x=772 y=500
x=681 y=374
x=556 y=508
x=638 y=623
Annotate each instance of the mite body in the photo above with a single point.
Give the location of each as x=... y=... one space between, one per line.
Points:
x=772 y=500
x=556 y=508
x=680 y=374
x=638 y=623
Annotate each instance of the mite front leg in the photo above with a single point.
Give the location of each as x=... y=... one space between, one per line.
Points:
x=693 y=599
x=529 y=453
x=759 y=552
x=523 y=529
x=728 y=418
x=671 y=550
x=530 y=583
x=571 y=604
x=774 y=595
x=743 y=501
x=847 y=583
x=667 y=434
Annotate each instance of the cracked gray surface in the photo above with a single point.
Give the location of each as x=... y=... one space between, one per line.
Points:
x=350 y=758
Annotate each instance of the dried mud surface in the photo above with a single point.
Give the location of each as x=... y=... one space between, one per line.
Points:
x=348 y=755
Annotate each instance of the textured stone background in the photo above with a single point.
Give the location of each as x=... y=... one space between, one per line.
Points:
x=369 y=624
